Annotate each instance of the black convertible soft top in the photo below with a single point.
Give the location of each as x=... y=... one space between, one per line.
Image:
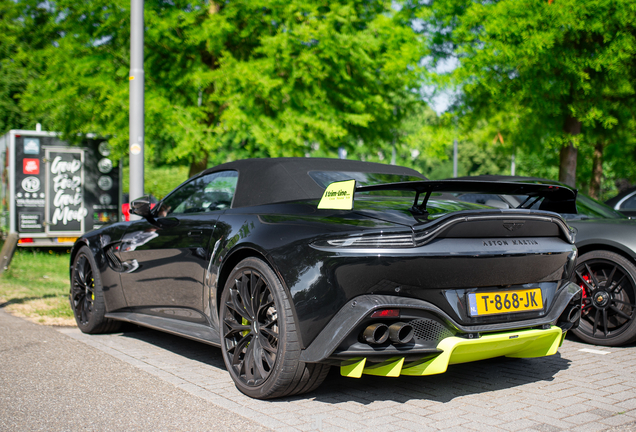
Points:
x=268 y=181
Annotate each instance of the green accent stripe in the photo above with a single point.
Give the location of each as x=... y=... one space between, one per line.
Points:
x=390 y=368
x=352 y=368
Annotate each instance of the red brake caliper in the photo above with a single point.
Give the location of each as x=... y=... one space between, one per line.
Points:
x=584 y=289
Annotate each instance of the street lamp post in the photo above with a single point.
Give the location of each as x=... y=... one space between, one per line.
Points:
x=455 y=158
x=136 y=119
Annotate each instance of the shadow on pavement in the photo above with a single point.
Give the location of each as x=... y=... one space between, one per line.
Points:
x=460 y=380
x=188 y=348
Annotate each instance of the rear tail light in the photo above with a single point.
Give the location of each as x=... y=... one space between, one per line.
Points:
x=386 y=313
x=369 y=241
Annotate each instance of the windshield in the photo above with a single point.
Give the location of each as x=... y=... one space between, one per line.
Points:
x=591 y=208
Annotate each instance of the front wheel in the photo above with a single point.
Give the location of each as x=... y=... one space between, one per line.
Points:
x=260 y=342
x=608 y=315
x=87 y=296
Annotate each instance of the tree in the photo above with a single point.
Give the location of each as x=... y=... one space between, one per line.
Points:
x=25 y=26
x=568 y=64
x=226 y=80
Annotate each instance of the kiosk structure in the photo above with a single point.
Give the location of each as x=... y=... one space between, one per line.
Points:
x=52 y=192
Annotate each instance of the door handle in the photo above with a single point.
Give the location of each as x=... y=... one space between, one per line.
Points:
x=195 y=233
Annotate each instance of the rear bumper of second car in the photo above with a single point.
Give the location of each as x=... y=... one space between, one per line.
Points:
x=338 y=343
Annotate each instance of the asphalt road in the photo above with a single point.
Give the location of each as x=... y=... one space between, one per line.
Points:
x=51 y=382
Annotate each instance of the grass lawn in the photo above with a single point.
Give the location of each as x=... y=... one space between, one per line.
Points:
x=36 y=286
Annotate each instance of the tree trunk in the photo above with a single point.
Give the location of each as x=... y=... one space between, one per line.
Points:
x=597 y=171
x=198 y=165
x=567 y=167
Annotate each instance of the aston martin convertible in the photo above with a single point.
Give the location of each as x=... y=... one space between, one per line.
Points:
x=295 y=265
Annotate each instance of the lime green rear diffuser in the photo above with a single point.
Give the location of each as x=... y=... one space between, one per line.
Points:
x=519 y=344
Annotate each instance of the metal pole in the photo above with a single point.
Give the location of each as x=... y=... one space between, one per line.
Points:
x=136 y=120
x=455 y=158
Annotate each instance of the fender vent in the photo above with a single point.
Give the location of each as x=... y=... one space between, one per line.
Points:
x=113 y=260
x=430 y=330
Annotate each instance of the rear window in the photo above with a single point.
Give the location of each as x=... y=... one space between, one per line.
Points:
x=325 y=178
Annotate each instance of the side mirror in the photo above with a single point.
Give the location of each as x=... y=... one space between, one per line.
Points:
x=141 y=207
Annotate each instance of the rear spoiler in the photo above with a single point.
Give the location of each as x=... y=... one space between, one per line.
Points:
x=558 y=199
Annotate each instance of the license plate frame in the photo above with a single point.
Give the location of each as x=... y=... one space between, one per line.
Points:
x=504 y=302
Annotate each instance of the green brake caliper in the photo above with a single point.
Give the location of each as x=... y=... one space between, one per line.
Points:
x=245 y=322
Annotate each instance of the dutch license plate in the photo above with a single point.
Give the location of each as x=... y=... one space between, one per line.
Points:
x=66 y=239
x=499 y=302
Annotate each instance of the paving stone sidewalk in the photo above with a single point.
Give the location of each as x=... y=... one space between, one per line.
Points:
x=583 y=388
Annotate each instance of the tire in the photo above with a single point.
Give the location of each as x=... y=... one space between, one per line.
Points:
x=259 y=338
x=87 y=295
x=608 y=313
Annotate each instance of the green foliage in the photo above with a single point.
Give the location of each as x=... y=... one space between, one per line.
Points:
x=549 y=64
x=83 y=85
x=25 y=27
x=256 y=78
x=159 y=180
x=263 y=78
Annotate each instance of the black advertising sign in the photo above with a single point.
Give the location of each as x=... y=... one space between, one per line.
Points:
x=30 y=182
x=59 y=191
x=66 y=209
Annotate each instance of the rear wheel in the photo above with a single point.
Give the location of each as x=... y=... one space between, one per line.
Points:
x=260 y=342
x=608 y=313
x=87 y=296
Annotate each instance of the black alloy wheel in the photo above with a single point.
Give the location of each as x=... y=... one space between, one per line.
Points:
x=82 y=290
x=608 y=313
x=251 y=328
x=259 y=337
x=87 y=297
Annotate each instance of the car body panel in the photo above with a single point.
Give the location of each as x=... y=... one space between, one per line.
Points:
x=165 y=267
x=617 y=234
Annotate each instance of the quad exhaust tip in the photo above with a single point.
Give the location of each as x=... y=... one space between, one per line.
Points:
x=399 y=333
x=574 y=314
x=376 y=334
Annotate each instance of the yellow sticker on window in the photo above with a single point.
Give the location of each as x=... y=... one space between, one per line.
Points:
x=338 y=196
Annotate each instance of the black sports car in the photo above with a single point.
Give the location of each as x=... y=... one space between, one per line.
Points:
x=606 y=267
x=294 y=265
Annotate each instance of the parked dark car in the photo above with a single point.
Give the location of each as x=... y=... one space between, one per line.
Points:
x=293 y=265
x=624 y=202
x=606 y=267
